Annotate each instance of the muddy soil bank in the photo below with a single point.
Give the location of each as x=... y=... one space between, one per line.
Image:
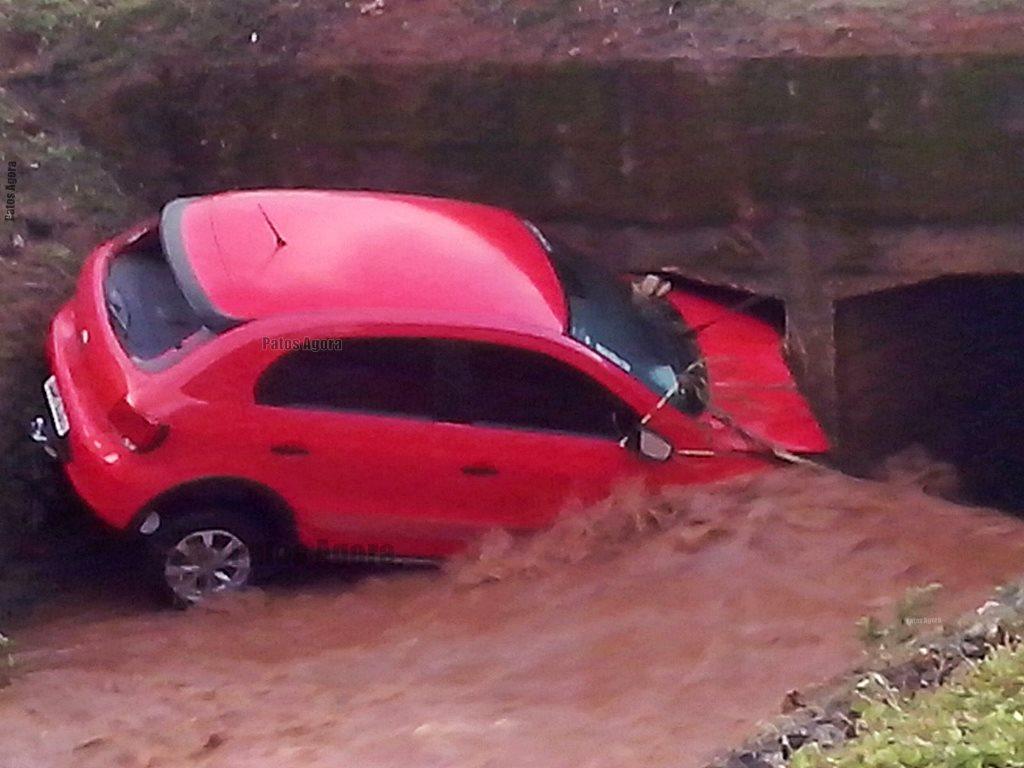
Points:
x=97 y=35
x=643 y=632
x=64 y=202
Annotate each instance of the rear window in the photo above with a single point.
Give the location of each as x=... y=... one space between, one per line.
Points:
x=145 y=305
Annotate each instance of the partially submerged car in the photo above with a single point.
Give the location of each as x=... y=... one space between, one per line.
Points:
x=386 y=376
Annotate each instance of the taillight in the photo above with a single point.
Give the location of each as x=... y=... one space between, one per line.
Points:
x=138 y=432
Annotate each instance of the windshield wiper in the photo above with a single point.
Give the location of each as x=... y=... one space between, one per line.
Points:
x=117 y=311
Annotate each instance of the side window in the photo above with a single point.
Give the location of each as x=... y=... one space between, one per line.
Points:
x=517 y=388
x=386 y=376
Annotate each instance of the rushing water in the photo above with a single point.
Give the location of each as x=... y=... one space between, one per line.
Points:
x=642 y=632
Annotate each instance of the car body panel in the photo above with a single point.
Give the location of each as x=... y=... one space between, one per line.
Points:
x=749 y=380
x=365 y=251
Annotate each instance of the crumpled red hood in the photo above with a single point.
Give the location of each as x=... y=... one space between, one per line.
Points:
x=749 y=380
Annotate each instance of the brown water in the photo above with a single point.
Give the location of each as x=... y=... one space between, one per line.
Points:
x=645 y=632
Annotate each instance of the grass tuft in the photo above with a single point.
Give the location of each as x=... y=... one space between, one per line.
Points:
x=976 y=721
x=910 y=619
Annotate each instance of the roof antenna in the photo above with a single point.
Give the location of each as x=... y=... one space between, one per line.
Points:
x=280 y=240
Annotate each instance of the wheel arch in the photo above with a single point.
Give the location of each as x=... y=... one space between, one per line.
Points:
x=237 y=493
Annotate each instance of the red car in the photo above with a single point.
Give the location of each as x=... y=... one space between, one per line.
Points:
x=386 y=376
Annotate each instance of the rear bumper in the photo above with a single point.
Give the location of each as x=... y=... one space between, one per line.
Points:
x=91 y=456
x=97 y=476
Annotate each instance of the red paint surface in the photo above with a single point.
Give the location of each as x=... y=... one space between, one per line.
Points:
x=369 y=251
x=748 y=375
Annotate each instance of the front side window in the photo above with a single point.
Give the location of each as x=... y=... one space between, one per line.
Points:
x=511 y=387
x=382 y=376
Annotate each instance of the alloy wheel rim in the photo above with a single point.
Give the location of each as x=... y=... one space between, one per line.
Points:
x=206 y=562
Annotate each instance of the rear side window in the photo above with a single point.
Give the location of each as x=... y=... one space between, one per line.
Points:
x=510 y=387
x=384 y=376
x=145 y=305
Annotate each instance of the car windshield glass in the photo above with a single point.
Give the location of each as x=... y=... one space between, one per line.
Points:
x=145 y=305
x=642 y=335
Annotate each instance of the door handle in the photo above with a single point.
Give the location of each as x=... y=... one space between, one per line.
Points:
x=480 y=470
x=289 y=449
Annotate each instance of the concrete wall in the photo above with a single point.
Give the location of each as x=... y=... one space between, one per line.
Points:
x=659 y=143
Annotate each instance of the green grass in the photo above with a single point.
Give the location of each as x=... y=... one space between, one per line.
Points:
x=119 y=30
x=909 y=620
x=975 y=721
x=49 y=18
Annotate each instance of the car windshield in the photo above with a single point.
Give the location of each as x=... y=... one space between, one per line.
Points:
x=642 y=335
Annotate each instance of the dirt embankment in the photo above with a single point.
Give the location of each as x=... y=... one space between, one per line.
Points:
x=63 y=203
x=643 y=632
x=94 y=34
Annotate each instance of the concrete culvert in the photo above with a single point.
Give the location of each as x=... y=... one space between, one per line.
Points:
x=939 y=365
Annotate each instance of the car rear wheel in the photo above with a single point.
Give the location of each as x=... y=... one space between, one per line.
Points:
x=203 y=554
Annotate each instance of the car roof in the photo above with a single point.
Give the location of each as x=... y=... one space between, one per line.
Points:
x=257 y=254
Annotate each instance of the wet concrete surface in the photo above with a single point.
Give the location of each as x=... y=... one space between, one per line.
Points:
x=643 y=632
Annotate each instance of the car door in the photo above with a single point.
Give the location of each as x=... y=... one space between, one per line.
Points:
x=351 y=424
x=533 y=435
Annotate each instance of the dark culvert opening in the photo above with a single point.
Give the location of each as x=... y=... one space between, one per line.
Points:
x=939 y=364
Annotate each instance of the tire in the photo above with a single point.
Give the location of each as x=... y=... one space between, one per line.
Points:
x=195 y=555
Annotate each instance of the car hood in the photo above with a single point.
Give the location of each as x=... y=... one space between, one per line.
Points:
x=752 y=391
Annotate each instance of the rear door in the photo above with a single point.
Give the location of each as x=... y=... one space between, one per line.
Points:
x=350 y=428
x=534 y=435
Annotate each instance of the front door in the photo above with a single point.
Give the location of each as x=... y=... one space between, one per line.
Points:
x=533 y=436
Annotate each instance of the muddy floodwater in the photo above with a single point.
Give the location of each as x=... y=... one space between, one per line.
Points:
x=640 y=633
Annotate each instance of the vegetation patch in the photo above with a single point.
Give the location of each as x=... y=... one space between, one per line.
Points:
x=84 y=32
x=977 y=719
x=954 y=700
x=108 y=35
x=47 y=19
x=64 y=203
x=881 y=638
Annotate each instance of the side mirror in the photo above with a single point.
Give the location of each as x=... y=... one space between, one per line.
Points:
x=653 y=446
